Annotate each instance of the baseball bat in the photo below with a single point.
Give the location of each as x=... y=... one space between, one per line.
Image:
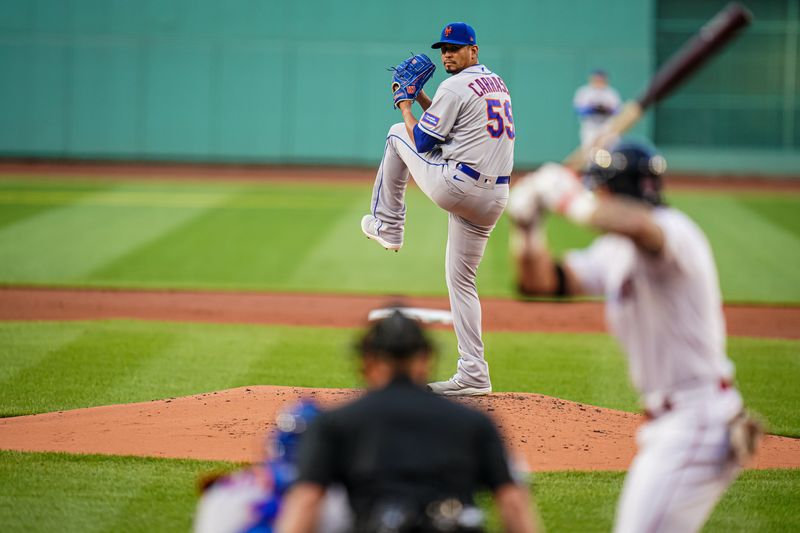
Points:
x=716 y=33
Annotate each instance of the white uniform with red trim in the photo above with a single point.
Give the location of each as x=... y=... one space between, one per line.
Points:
x=666 y=312
x=467 y=175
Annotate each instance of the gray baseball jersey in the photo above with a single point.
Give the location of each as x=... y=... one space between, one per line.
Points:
x=466 y=173
x=471 y=115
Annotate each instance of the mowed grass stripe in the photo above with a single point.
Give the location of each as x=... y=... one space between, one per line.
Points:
x=65 y=244
x=587 y=368
x=128 y=361
x=763 y=500
x=135 y=504
x=61 y=492
x=765 y=365
x=182 y=199
x=756 y=258
x=223 y=358
x=99 y=363
x=13 y=213
x=257 y=248
x=781 y=211
x=48 y=492
x=19 y=353
x=759 y=500
x=305 y=237
x=346 y=261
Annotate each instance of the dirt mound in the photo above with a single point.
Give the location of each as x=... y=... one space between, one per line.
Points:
x=548 y=433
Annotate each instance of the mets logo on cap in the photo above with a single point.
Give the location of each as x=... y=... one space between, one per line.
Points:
x=458 y=33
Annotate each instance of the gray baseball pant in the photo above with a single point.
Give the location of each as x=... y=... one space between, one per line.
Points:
x=474 y=207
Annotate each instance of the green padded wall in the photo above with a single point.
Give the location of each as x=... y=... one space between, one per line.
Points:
x=282 y=81
x=306 y=82
x=740 y=114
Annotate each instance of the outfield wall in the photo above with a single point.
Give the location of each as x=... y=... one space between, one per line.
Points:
x=290 y=82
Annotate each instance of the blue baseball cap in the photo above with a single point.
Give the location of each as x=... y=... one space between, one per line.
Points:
x=459 y=33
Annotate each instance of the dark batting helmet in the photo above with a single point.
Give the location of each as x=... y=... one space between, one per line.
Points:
x=630 y=169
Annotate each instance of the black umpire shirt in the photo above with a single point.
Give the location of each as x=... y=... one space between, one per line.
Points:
x=403 y=443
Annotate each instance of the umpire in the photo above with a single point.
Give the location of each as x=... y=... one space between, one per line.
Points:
x=410 y=460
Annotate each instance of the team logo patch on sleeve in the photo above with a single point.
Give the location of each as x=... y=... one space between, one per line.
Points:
x=431 y=120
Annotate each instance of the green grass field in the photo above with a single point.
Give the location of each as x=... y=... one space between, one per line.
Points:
x=49 y=366
x=100 y=493
x=305 y=237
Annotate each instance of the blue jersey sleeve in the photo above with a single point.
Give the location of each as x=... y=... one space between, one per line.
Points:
x=423 y=141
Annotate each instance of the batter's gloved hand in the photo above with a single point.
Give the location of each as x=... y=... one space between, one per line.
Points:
x=410 y=77
x=744 y=432
x=553 y=188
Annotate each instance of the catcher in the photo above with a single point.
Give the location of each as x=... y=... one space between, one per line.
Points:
x=654 y=267
x=460 y=153
x=248 y=500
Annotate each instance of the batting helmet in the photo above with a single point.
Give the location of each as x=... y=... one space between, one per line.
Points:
x=630 y=169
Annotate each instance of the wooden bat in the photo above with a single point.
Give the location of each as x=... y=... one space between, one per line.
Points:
x=695 y=53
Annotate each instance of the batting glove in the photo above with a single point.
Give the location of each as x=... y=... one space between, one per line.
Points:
x=552 y=188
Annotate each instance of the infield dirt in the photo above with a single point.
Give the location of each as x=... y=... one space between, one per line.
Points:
x=331 y=310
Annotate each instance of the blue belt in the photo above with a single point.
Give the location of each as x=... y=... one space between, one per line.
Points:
x=474 y=174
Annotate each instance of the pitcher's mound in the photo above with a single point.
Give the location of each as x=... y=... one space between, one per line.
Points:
x=547 y=433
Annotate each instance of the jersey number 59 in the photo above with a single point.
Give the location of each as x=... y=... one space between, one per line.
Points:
x=497 y=126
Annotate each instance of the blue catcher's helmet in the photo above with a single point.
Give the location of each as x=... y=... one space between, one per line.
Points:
x=630 y=169
x=291 y=425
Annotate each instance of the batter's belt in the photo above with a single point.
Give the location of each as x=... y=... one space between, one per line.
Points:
x=659 y=403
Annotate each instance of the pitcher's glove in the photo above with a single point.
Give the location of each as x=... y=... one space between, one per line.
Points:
x=410 y=76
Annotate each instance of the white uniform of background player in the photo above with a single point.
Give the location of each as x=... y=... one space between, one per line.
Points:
x=460 y=153
x=594 y=104
x=656 y=270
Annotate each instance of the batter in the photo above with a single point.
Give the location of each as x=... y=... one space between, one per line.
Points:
x=656 y=270
x=461 y=154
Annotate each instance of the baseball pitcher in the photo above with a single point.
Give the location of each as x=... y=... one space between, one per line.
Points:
x=460 y=153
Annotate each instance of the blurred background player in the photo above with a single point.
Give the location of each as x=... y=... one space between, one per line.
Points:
x=594 y=104
x=248 y=501
x=460 y=153
x=656 y=271
x=409 y=459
